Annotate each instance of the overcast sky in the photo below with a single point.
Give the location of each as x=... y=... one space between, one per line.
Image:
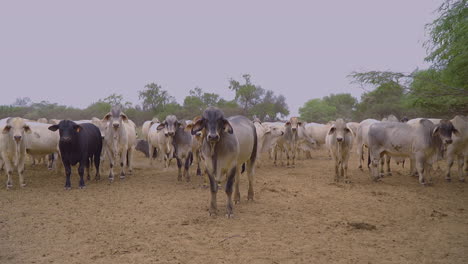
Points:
x=76 y=52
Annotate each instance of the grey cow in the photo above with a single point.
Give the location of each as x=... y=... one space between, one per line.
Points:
x=420 y=143
x=228 y=143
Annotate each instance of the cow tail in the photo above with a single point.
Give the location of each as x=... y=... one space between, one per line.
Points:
x=368 y=158
x=190 y=157
x=253 y=157
x=243 y=168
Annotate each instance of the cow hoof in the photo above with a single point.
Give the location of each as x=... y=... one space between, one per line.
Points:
x=389 y=174
x=229 y=215
x=83 y=187
x=187 y=179
x=23 y=185
x=9 y=186
x=347 y=181
x=213 y=213
x=179 y=178
x=111 y=179
x=462 y=180
x=448 y=179
x=88 y=178
x=67 y=188
x=122 y=177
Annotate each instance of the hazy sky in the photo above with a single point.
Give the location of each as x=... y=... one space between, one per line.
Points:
x=76 y=52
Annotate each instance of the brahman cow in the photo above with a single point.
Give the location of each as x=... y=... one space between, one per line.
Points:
x=159 y=140
x=42 y=142
x=228 y=144
x=119 y=140
x=182 y=142
x=420 y=143
x=339 y=141
x=79 y=143
x=459 y=148
x=362 y=138
x=13 y=147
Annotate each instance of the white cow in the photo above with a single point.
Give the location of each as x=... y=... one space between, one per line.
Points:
x=146 y=126
x=362 y=138
x=119 y=140
x=160 y=141
x=339 y=141
x=419 y=142
x=42 y=142
x=459 y=148
x=13 y=147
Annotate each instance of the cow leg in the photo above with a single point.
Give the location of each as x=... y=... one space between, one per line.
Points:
x=250 y=174
x=150 y=151
x=287 y=158
x=449 y=166
x=382 y=164
x=236 y=185
x=9 y=171
x=187 y=166
x=387 y=160
x=81 y=168
x=110 y=156
x=345 y=170
x=179 y=167
x=275 y=155
x=232 y=175
x=97 y=164
x=460 y=163
x=360 y=155
x=420 y=169
x=214 y=189
x=293 y=158
x=123 y=163
x=67 y=175
x=130 y=160
x=336 y=171
x=88 y=176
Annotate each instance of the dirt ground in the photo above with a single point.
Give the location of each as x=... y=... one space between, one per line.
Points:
x=299 y=216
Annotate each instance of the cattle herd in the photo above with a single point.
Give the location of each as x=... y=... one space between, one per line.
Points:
x=224 y=147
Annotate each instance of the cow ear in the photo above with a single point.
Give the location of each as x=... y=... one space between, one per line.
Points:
x=227 y=126
x=54 y=128
x=27 y=129
x=77 y=128
x=188 y=127
x=331 y=130
x=435 y=130
x=198 y=126
x=456 y=132
x=124 y=117
x=348 y=129
x=6 y=129
x=161 y=126
x=299 y=123
x=287 y=123
x=107 y=117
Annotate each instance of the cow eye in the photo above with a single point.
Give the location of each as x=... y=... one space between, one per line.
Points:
x=347 y=130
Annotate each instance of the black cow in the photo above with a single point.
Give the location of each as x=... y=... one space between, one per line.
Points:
x=79 y=143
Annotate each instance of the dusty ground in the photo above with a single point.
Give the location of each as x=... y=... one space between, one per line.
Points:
x=298 y=216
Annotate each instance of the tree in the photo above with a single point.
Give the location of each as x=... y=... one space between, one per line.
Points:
x=317 y=110
x=155 y=98
x=256 y=101
x=22 y=102
x=344 y=103
x=247 y=94
x=116 y=99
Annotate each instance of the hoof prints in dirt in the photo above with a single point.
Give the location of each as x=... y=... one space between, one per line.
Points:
x=362 y=225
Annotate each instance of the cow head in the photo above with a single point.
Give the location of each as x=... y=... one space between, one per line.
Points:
x=340 y=130
x=444 y=131
x=404 y=119
x=214 y=124
x=115 y=118
x=16 y=127
x=170 y=125
x=293 y=123
x=67 y=130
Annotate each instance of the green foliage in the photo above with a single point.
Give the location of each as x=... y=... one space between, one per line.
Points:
x=155 y=98
x=116 y=99
x=256 y=101
x=329 y=108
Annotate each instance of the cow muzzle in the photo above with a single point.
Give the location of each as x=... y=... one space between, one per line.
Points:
x=213 y=138
x=65 y=139
x=448 y=141
x=116 y=125
x=17 y=138
x=171 y=134
x=339 y=139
